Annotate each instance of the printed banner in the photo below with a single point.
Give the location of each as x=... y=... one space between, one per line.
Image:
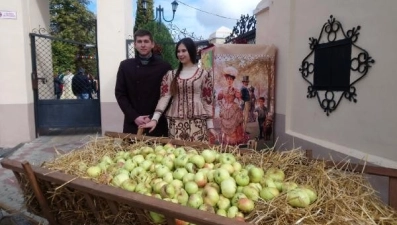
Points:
x=243 y=91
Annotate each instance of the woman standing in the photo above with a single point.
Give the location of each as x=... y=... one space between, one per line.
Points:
x=189 y=88
x=230 y=113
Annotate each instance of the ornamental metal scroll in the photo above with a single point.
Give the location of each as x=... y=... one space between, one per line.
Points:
x=244 y=32
x=329 y=96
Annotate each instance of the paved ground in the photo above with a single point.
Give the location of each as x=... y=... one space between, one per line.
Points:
x=35 y=152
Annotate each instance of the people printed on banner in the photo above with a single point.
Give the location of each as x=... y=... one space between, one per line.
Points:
x=230 y=113
x=261 y=112
x=67 y=86
x=188 y=91
x=251 y=115
x=138 y=84
x=246 y=103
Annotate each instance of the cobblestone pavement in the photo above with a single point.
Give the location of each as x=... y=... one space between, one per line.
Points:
x=36 y=152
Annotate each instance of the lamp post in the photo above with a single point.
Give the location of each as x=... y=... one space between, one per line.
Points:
x=160 y=11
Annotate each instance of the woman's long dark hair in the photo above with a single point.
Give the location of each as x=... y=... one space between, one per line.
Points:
x=192 y=50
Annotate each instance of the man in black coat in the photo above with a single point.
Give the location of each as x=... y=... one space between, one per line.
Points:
x=81 y=85
x=138 y=85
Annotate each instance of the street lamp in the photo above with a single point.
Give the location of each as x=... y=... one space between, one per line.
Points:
x=160 y=11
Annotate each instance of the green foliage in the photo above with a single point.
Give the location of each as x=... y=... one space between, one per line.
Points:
x=71 y=20
x=161 y=34
x=163 y=40
x=140 y=16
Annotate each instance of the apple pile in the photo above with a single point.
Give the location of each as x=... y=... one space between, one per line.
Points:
x=207 y=180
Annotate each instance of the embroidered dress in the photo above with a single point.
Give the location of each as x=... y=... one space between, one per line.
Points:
x=191 y=111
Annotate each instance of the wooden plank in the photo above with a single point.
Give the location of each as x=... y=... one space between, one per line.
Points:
x=38 y=193
x=170 y=221
x=373 y=170
x=393 y=192
x=130 y=198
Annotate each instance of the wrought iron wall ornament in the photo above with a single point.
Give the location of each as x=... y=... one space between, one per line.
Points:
x=328 y=98
x=41 y=30
x=244 y=31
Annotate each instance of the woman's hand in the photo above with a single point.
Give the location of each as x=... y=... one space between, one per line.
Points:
x=152 y=124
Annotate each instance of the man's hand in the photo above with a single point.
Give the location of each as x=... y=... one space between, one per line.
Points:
x=151 y=124
x=141 y=120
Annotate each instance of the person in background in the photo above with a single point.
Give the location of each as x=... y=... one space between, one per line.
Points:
x=138 y=85
x=67 y=86
x=58 y=86
x=81 y=85
x=261 y=112
x=190 y=115
x=91 y=82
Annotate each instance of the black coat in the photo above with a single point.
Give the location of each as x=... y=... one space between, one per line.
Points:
x=80 y=84
x=138 y=91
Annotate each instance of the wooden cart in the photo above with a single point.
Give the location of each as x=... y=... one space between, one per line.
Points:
x=45 y=183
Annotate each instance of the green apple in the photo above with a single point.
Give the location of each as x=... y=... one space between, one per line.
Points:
x=129 y=185
x=246 y=205
x=242 y=179
x=182 y=196
x=161 y=170
x=188 y=177
x=232 y=212
x=167 y=191
x=209 y=155
x=251 y=193
x=179 y=151
x=223 y=203
x=255 y=174
x=237 y=197
x=168 y=162
x=156 y=218
x=195 y=201
x=197 y=160
x=191 y=187
x=138 y=159
x=191 y=168
x=228 y=187
x=94 y=171
x=298 y=198
x=268 y=193
x=210 y=196
x=179 y=173
x=220 y=175
x=227 y=158
x=221 y=212
x=181 y=161
x=200 y=178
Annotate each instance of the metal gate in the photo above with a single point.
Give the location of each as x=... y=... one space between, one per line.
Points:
x=58 y=101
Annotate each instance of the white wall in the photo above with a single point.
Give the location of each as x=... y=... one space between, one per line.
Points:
x=16 y=95
x=365 y=129
x=115 y=25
